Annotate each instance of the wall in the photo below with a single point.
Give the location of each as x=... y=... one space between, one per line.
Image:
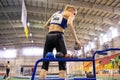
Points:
x=26 y=61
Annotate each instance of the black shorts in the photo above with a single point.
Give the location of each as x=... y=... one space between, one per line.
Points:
x=55 y=40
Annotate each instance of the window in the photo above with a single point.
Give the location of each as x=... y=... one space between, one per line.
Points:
x=1 y=53
x=93 y=45
x=105 y=38
x=32 y=51
x=101 y=39
x=87 y=48
x=114 y=32
x=10 y=53
x=109 y=35
x=78 y=52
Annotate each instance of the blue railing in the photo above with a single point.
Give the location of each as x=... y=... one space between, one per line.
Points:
x=102 y=52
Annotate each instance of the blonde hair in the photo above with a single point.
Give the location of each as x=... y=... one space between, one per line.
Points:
x=70 y=6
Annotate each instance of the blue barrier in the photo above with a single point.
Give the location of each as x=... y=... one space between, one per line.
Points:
x=74 y=59
x=71 y=79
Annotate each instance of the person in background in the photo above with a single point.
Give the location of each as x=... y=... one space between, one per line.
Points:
x=7 y=66
x=32 y=69
x=21 y=70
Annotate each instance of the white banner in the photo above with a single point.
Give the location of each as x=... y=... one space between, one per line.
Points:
x=24 y=18
x=24 y=14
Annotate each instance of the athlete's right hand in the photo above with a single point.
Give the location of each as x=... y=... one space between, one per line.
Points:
x=77 y=42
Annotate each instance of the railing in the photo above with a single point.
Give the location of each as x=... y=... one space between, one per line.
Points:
x=100 y=52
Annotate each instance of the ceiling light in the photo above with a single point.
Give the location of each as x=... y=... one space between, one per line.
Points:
x=30 y=34
x=118 y=22
x=101 y=34
x=32 y=41
x=95 y=38
x=28 y=24
x=89 y=42
x=4 y=48
x=111 y=28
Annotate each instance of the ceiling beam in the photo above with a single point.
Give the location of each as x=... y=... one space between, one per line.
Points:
x=21 y=30
x=82 y=25
x=21 y=45
x=41 y=11
x=81 y=4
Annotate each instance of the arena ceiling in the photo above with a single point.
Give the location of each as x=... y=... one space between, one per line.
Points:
x=94 y=17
